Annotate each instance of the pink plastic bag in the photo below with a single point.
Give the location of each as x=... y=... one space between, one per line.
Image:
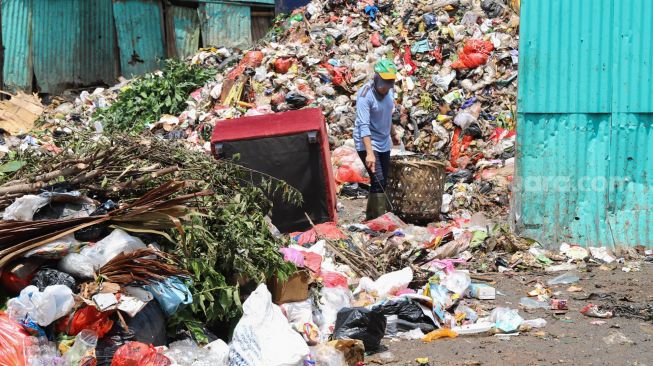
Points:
x=334 y=279
x=387 y=222
x=139 y=354
x=348 y=166
x=327 y=230
x=293 y=255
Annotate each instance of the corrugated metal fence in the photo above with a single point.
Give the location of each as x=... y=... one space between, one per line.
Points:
x=585 y=141
x=51 y=45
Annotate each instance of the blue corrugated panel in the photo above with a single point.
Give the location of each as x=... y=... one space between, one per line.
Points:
x=582 y=176
x=185 y=25
x=16 y=40
x=55 y=33
x=631 y=166
x=139 y=25
x=569 y=43
x=561 y=158
x=95 y=51
x=225 y=25
x=633 y=56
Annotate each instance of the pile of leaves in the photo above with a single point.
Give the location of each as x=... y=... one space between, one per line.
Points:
x=147 y=98
x=225 y=243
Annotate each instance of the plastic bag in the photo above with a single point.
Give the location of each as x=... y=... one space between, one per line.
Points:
x=386 y=285
x=474 y=54
x=170 y=294
x=48 y=277
x=298 y=312
x=332 y=279
x=41 y=307
x=325 y=355
x=91 y=258
x=457 y=282
x=83 y=349
x=187 y=353
x=13 y=342
x=409 y=314
x=148 y=326
x=25 y=207
x=505 y=319
x=293 y=256
x=263 y=336
x=87 y=317
x=332 y=300
x=387 y=222
x=362 y=324
x=492 y=8
x=296 y=100
x=138 y=354
x=56 y=249
x=327 y=230
x=348 y=166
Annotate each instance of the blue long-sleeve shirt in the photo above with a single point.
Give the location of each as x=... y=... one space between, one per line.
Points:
x=374 y=119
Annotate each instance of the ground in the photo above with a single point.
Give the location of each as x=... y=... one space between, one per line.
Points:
x=569 y=339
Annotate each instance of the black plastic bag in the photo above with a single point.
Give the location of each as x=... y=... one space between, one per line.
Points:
x=296 y=100
x=148 y=326
x=493 y=8
x=48 y=277
x=474 y=130
x=362 y=324
x=410 y=315
x=460 y=176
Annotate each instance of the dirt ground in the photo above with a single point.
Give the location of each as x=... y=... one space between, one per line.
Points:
x=568 y=339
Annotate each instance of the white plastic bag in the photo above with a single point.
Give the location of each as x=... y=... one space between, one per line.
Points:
x=387 y=284
x=263 y=336
x=25 y=207
x=457 y=281
x=331 y=302
x=91 y=258
x=41 y=307
x=300 y=312
x=325 y=355
x=505 y=319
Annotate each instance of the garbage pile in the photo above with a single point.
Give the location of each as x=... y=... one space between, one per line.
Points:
x=115 y=245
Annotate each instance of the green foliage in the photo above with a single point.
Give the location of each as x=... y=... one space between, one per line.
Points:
x=149 y=97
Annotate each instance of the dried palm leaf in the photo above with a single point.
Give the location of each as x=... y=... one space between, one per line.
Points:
x=142 y=266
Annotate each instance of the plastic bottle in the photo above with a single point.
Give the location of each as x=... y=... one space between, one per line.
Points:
x=564 y=279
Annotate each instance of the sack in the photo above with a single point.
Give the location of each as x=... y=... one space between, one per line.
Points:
x=362 y=324
x=263 y=335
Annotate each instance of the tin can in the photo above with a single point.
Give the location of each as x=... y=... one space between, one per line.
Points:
x=559 y=304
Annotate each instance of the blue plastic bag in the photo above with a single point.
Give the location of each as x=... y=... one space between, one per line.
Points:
x=170 y=294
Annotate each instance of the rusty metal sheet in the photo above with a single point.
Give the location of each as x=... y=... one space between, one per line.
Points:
x=225 y=25
x=183 y=26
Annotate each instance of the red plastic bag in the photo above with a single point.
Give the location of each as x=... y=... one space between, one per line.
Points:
x=474 y=54
x=334 y=279
x=375 y=39
x=86 y=318
x=387 y=222
x=348 y=166
x=14 y=342
x=252 y=59
x=282 y=65
x=313 y=261
x=408 y=61
x=327 y=230
x=139 y=354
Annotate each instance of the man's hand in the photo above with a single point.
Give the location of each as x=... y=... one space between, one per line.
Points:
x=370 y=162
x=395 y=139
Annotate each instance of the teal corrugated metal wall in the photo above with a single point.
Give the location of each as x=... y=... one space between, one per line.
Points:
x=95 y=51
x=139 y=25
x=225 y=25
x=17 y=42
x=584 y=134
x=184 y=24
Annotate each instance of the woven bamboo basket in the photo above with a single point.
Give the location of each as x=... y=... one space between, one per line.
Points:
x=415 y=189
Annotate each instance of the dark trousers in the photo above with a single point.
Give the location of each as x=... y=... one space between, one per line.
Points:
x=379 y=178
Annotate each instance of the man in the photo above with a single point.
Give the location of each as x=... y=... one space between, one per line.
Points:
x=374 y=133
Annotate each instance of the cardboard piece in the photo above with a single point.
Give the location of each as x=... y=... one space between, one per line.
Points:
x=18 y=114
x=293 y=290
